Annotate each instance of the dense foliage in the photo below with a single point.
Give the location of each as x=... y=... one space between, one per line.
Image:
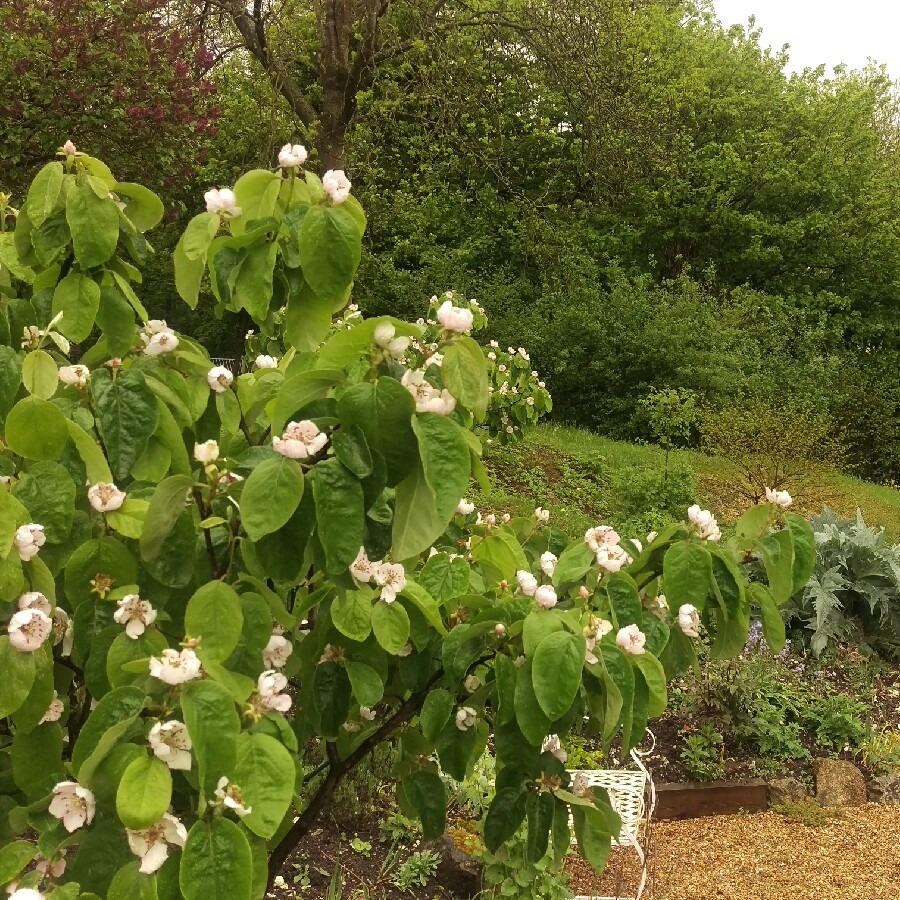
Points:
x=206 y=577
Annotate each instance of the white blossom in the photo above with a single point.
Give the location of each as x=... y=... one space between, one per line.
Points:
x=472 y=683
x=545 y=596
x=594 y=632
x=162 y=342
x=266 y=362
x=436 y=359
x=631 y=639
x=292 y=156
x=275 y=654
x=406 y=649
x=105 y=497
x=174 y=668
x=73 y=805
x=466 y=717
x=300 y=440
x=392 y=578
x=336 y=185
x=499 y=629
x=367 y=714
x=222 y=201
x=548 y=563
x=25 y=893
x=385 y=337
x=207 y=452
x=454 y=318
x=427 y=397
x=780 y=498
x=552 y=745
x=363 y=568
x=464 y=507
x=135 y=614
x=69 y=147
x=75 y=376
x=152 y=844
x=270 y=686
x=705 y=522
x=63 y=630
x=230 y=795
x=35 y=600
x=612 y=557
x=601 y=536
x=171 y=743
x=28 y=541
x=689 y=620
x=528 y=584
x=28 y=629
x=219 y=379
x=54 y=710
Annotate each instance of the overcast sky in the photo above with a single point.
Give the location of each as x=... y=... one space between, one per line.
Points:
x=824 y=31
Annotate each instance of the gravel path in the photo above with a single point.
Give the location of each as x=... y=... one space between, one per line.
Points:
x=766 y=857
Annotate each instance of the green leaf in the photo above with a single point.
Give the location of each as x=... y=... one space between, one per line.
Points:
x=127 y=414
x=772 y=622
x=94 y=223
x=104 y=556
x=624 y=598
x=538 y=624
x=532 y=720
x=426 y=604
x=257 y=195
x=539 y=809
x=37 y=755
x=48 y=493
x=166 y=505
x=129 y=518
x=339 y=513
x=390 y=623
x=435 y=713
x=127 y=653
x=110 y=719
x=216 y=863
x=573 y=564
x=384 y=412
x=593 y=840
x=778 y=558
x=330 y=248
x=13 y=859
x=804 y=551
x=129 y=883
x=253 y=285
x=144 y=793
x=77 y=297
x=199 y=235
x=506 y=814
x=753 y=523
x=39 y=374
x=465 y=375
x=43 y=195
x=215 y=617
x=416 y=521
x=351 y=613
x=445 y=578
x=331 y=693
x=265 y=774
x=300 y=390
x=91 y=455
x=655 y=678
x=213 y=723
x=502 y=551
x=103 y=851
x=687 y=573
x=368 y=688
x=270 y=496
x=188 y=274
x=18 y=677
x=556 y=673
x=445 y=459
x=427 y=795
x=351 y=449
x=142 y=206
x=36 y=429
x=308 y=319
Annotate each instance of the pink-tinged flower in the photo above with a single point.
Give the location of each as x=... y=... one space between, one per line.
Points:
x=28 y=541
x=689 y=620
x=427 y=397
x=219 y=379
x=528 y=584
x=545 y=596
x=157 y=344
x=455 y=318
x=174 y=668
x=75 y=376
x=207 y=452
x=73 y=805
x=275 y=654
x=631 y=639
x=542 y=515
x=612 y=557
x=63 y=631
x=548 y=563
x=392 y=578
x=35 y=600
x=223 y=202
x=552 y=745
x=230 y=795
x=54 y=710
x=705 y=522
x=266 y=362
x=336 y=185
x=292 y=156
x=28 y=629
x=135 y=614
x=464 y=507
x=171 y=743
x=499 y=629
x=466 y=717
x=594 y=632
x=583 y=592
x=270 y=687
x=779 y=498
x=601 y=536
x=105 y=497
x=300 y=440
x=363 y=569
x=69 y=148
x=52 y=867
x=152 y=844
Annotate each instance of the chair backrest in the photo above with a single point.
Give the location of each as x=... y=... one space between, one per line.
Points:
x=627 y=790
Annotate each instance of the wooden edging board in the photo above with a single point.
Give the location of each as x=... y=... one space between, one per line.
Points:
x=693 y=800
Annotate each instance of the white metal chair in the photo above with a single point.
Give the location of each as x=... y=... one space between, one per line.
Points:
x=632 y=794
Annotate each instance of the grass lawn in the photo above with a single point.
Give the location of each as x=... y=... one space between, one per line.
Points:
x=581 y=478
